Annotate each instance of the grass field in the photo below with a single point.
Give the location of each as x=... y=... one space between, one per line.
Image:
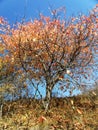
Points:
x=74 y=113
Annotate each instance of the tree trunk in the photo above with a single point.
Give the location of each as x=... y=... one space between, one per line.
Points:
x=1 y=110
x=47 y=98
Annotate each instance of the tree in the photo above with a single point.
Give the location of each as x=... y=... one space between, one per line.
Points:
x=50 y=50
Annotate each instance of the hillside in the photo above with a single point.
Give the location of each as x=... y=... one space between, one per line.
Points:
x=74 y=113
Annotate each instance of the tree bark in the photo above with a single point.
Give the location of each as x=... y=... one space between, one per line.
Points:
x=48 y=97
x=1 y=110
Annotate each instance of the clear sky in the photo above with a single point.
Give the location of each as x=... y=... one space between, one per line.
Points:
x=14 y=10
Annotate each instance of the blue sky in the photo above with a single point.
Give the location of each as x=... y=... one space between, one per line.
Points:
x=14 y=10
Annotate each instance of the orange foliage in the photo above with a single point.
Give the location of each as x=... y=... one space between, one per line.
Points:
x=42 y=39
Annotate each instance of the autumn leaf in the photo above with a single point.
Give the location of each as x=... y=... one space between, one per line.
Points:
x=79 y=111
x=42 y=119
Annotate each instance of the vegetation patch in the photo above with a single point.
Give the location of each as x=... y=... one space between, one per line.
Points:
x=77 y=113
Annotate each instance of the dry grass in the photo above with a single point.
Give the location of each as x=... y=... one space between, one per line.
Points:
x=76 y=113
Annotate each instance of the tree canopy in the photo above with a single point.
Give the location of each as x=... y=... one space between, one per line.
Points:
x=48 y=49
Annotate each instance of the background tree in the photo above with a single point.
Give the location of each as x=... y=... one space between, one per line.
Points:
x=51 y=51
